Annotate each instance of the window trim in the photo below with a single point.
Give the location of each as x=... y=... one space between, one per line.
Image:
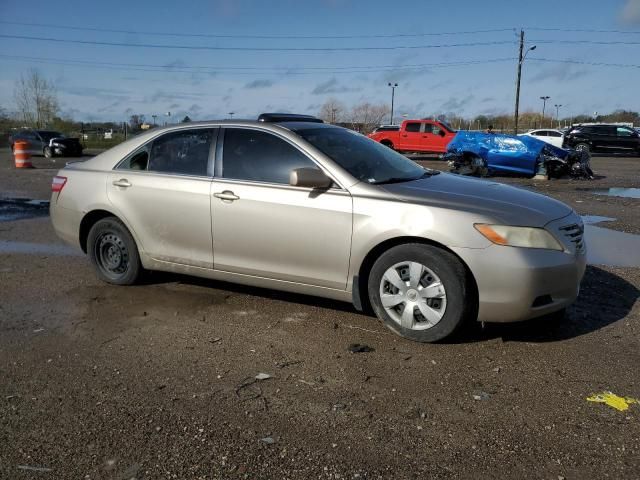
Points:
x=420 y=127
x=149 y=143
x=218 y=168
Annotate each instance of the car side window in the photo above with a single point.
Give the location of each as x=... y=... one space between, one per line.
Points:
x=182 y=152
x=436 y=130
x=541 y=133
x=260 y=157
x=624 y=132
x=413 y=127
x=139 y=160
x=554 y=134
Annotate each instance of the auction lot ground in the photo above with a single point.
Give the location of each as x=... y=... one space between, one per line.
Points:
x=154 y=381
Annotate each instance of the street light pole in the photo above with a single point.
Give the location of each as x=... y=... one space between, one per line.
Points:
x=521 y=58
x=558 y=113
x=544 y=104
x=393 y=91
x=231 y=115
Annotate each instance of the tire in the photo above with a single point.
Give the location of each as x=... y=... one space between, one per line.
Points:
x=113 y=252
x=48 y=153
x=582 y=147
x=387 y=144
x=448 y=304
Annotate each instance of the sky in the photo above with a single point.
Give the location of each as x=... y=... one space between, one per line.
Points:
x=206 y=58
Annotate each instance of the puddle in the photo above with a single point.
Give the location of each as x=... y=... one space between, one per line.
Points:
x=20 y=208
x=617 y=192
x=610 y=247
x=7 y=246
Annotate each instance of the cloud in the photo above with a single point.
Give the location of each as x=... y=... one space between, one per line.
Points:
x=195 y=108
x=173 y=106
x=630 y=13
x=259 y=84
x=332 y=86
x=561 y=72
x=455 y=104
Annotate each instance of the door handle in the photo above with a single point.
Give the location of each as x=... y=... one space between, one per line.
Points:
x=123 y=182
x=226 y=195
x=404 y=134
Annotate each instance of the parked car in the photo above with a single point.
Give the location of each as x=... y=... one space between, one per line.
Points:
x=318 y=209
x=48 y=143
x=429 y=136
x=482 y=154
x=603 y=138
x=548 y=135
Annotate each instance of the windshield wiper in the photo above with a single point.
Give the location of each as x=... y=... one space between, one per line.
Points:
x=428 y=173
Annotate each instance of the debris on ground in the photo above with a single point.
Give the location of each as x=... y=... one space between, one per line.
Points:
x=268 y=440
x=262 y=376
x=614 y=401
x=35 y=469
x=481 y=396
x=360 y=348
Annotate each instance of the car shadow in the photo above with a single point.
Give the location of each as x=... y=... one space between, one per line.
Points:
x=155 y=278
x=604 y=299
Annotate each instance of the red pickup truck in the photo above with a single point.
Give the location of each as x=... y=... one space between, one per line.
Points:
x=417 y=136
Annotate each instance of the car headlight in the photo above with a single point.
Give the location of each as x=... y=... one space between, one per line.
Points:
x=57 y=144
x=526 y=237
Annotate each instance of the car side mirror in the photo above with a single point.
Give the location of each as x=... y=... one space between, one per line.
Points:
x=309 y=177
x=442 y=134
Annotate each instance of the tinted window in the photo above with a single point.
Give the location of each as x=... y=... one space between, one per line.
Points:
x=260 y=157
x=624 y=132
x=182 y=152
x=540 y=133
x=554 y=134
x=365 y=159
x=413 y=127
x=47 y=135
x=604 y=130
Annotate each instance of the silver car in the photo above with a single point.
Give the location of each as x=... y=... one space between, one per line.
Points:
x=317 y=209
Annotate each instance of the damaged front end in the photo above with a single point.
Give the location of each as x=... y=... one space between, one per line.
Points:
x=483 y=154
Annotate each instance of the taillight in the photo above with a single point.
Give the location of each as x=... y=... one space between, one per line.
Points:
x=58 y=183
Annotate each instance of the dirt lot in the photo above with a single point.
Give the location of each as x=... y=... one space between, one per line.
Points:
x=158 y=380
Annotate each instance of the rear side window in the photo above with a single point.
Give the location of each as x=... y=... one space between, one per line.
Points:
x=184 y=152
x=540 y=133
x=260 y=156
x=624 y=132
x=413 y=127
x=554 y=134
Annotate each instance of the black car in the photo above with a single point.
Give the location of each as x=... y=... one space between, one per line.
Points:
x=48 y=143
x=603 y=138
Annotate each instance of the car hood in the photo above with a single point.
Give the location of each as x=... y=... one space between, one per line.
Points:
x=493 y=201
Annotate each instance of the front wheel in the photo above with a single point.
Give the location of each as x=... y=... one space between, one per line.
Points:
x=387 y=144
x=48 y=153
x=113 y=252
x=420 y=292
x=583 y=148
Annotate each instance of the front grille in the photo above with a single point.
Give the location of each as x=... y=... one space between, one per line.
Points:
x=574 y=233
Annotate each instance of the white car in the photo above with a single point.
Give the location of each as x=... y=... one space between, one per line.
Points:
x=549 y=135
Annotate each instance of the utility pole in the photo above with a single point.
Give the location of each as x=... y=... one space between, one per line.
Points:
x=393 y=91
x=521 y=56
x=154 y=119
x=558 y=113
x=544 y=104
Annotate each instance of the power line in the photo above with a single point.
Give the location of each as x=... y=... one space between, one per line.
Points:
x=589 y=42
x=256 y=49
x=582 y=30
x=262 y=36
x=253 y=70
x=579 y=62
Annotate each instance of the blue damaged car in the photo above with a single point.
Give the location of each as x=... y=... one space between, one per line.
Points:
x=483 y=154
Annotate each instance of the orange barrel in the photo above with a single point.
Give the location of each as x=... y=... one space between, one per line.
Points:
x=21 y=154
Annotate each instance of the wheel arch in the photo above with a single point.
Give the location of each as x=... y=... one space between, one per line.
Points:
x=88 y=221
x=361 y=279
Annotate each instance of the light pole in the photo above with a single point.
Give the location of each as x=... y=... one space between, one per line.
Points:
x=154 y=119
x=521 y=58
x=393 y=91
x=168 y=114
x=558 y=113
x=544 y=104
x=231 y=115
x=333 y=115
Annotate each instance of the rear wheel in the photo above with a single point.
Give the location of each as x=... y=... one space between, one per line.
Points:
x=420 y=292
x=113 y=252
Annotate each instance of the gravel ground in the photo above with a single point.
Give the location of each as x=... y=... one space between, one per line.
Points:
x=158 y=380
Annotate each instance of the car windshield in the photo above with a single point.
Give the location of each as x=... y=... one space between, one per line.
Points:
x=48 y=134
x=365 y=159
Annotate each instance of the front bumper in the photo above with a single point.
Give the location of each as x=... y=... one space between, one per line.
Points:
x=516 y=284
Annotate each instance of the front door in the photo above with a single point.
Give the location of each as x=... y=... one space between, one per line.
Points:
x=264 y=227
x=411 y=137
x=626 y=139
x=162 y=191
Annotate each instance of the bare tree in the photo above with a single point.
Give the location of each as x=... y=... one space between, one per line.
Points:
x=36 y=99
x=332 y=111
x=364 y=117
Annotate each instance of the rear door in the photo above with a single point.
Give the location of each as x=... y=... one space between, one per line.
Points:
x=604 y=137
x=554 y=137
x=162 y=190
x=411 y=137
